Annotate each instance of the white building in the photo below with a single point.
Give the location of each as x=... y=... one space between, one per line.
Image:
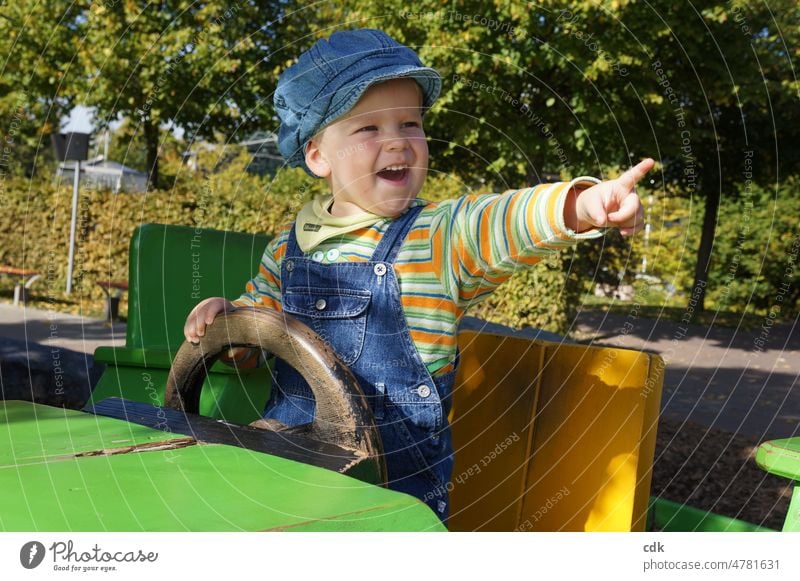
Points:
x=104 y=174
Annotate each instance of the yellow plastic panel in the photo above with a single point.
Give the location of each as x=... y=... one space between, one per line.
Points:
x=590 y=469
x=493 y=403
x=581 y=422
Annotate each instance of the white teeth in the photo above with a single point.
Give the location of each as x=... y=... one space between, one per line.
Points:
x=395 y=167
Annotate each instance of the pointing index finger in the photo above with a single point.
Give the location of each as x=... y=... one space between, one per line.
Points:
x=636 y=173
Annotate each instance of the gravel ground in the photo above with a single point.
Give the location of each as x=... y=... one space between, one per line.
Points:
x=716 y=470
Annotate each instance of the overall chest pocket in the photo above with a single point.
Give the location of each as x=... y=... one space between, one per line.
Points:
x=337 y=315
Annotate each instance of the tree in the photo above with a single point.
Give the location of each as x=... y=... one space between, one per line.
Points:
x=583 y=86
x=208 y=68
x=37 y=44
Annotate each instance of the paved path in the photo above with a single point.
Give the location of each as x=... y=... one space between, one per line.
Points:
x=51 y=328
x=717 y=377
x=46 y=356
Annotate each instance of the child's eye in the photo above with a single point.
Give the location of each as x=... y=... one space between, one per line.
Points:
x=368 y=128
x=411 y=124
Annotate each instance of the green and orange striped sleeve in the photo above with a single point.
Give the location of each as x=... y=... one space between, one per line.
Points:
x=486 y=238
x=264 y=290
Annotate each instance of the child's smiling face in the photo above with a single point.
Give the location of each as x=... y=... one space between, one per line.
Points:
x=383 y=130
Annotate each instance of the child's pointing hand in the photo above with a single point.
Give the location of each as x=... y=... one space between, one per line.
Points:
x=611 y=203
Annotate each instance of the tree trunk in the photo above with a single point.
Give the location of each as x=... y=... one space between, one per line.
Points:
x=151 y=145
x=698 y=297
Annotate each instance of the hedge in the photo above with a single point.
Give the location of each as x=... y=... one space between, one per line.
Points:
x=36 y=215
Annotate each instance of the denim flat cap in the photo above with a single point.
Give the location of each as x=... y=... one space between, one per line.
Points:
x=329 y=78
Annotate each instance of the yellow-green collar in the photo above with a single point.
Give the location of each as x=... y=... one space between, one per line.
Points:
x=315 y=223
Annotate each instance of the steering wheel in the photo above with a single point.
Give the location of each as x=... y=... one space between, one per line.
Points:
x=342 y=416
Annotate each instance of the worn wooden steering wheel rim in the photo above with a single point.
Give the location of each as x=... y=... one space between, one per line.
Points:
x=342 y=416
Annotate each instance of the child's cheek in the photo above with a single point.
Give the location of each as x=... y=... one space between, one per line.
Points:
x=423 y=148
x=372 y=146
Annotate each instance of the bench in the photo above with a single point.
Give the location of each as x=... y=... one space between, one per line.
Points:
x=27 y=278
x=113 y=290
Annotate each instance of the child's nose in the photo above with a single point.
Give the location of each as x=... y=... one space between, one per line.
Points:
x=395 y=141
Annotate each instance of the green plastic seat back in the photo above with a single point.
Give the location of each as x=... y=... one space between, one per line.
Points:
x=172 y=268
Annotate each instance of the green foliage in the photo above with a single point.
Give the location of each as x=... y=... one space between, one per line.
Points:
x=37 y=48
x=572 y=87
x=575 y=86
x=541 y=297
x=756 y=252
x=36 y=223
x=755 y=261
x=209 y=68
x=563 y=87
x=36 y=218
x=205 y=67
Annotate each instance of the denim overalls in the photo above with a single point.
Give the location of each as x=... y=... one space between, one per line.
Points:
x=355 y=306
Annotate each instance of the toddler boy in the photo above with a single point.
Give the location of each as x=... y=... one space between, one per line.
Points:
x=383 y=276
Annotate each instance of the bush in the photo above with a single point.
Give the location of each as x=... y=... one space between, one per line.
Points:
x=36 y=223
x=222 y=196
x=756 y=249
x=754 y=266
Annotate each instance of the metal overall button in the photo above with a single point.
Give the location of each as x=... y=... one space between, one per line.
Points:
x=423 y=391
x=320 y=304
x=380 y=269
x=289 y=265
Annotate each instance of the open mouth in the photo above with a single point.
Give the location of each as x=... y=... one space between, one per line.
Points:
x=394 y=173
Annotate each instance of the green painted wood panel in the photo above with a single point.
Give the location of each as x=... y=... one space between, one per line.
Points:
x=198 y=488
x=32 y=433
x=780 y=457
x=194 y=488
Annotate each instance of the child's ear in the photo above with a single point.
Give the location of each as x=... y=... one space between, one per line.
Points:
x=316 y=160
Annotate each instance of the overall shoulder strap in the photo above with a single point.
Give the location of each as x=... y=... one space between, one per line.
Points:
x=292 y=248
x=391 y=242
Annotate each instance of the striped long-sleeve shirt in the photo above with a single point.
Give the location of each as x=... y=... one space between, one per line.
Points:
x=457 y=253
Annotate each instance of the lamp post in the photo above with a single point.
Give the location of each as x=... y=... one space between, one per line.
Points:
x=75 y=147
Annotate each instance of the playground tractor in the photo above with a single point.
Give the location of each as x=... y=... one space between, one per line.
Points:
x=548 y=436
